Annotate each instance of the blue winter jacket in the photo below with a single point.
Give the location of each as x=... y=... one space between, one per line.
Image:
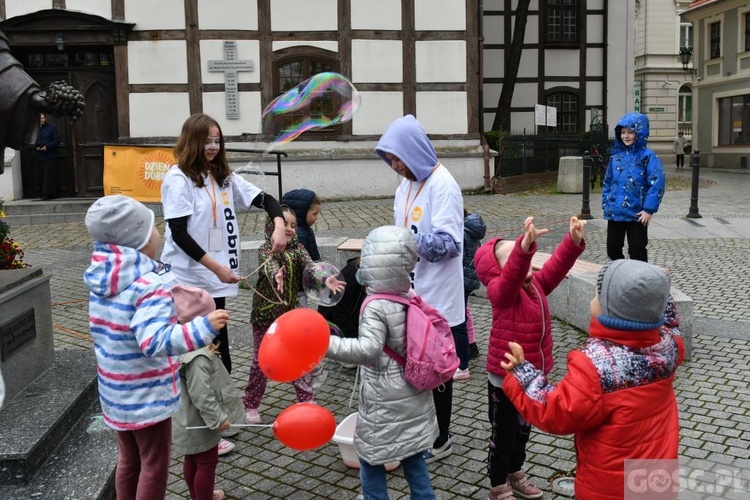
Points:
x=635 y=179
x=474 y=230
x=300 y=200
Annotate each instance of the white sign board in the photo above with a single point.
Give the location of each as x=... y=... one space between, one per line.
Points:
x=637 y=96
x=540 y=115
x=551 y=116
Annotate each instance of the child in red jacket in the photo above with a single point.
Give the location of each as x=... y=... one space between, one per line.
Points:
x=617 y=397
x=520 y=313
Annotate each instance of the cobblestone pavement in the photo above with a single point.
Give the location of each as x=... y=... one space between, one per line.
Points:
x=709 y=259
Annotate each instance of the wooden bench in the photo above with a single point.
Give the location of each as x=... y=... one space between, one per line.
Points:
x=570 y=301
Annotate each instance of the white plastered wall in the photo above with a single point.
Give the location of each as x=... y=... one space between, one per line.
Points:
x=158 y=114
x=151 y=15
x=443 y=112
x=380 y=15
x=377 y=61
x=307 y=15
x=250 y=108
x=163 y=61
x=377 y=110
x=228 y=14
x=96 y=7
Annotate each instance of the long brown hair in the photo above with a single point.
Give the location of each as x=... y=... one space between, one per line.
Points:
x=189 y=150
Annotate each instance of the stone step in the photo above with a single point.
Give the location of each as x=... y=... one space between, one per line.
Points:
x=39 y=419
x=57 y=211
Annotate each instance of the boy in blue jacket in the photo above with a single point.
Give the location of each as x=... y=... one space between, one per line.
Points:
x=633 y=188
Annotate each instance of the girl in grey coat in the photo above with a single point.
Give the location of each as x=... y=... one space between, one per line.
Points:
x=396 y=421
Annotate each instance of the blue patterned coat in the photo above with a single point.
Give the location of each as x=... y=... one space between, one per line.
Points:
x=635 y=179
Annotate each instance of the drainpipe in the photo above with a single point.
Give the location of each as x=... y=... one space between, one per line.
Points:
x=482 y=140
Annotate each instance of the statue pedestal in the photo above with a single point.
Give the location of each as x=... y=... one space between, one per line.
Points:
x=26 y=341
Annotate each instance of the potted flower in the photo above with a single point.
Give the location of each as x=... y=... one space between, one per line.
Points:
x=11 y=254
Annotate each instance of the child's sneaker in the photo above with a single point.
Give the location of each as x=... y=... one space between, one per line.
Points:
x=461 y=374
x=501 y=492
x=522 y=486
x=219 y=495
x=225 y=446
x=252 y=416
x=438 y=453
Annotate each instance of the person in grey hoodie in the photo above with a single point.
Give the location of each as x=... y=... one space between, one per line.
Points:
x=396 y=421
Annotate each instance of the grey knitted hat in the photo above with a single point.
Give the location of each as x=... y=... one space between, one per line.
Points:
x=120 y=220
x=632 y=295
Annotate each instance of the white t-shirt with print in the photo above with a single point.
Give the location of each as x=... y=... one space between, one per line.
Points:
x=435 y=205
x=180 y=197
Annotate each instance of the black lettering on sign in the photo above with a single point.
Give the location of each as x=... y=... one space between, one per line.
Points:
x=16 y=333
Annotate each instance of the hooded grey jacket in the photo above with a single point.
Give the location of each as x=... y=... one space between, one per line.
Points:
x=395 y=420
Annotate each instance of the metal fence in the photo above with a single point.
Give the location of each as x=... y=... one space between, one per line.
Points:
x=529 y=154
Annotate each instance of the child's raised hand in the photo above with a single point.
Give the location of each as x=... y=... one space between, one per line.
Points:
x=218 y=319
x=279 y=279
x=334 y=284
x=514 y=357
x=577 y=230
x=532 y=233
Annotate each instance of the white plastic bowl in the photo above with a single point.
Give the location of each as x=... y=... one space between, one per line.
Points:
x=344 y=437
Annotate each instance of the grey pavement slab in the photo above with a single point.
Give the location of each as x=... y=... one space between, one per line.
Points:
x=713 y=388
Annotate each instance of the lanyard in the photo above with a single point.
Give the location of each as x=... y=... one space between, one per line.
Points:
x=408 y=203
x=213 y=199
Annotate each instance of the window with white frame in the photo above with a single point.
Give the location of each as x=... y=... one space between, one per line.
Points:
x=685 y=105
x=747 y=31
x=686 y=35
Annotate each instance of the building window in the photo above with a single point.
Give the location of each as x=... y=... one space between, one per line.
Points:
x=685 y=109
x=747 y=32
x=562 y=21
x=295 y=67
x=734 y=120
x=686 y=35
x=567 y=112
x=715 y=40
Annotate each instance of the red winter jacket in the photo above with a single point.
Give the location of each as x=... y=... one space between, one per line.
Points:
x=520 y=313
x=617 y=398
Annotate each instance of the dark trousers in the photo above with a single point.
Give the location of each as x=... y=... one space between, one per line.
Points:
x=143 y=459
x=223 y=337
x=680 y=161
x=49 y=178
x=443 y=395
x=637 y=235
x=200 y=473
x=510 y=433
x=461 y=338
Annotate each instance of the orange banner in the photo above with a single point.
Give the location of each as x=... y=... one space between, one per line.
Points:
x=136 y=171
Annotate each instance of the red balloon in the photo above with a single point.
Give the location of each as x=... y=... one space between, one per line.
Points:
x=293 y=345
x=304 y=426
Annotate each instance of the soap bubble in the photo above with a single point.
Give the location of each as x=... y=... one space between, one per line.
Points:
x=323 y=100
x=254 y=174
x=316 y=290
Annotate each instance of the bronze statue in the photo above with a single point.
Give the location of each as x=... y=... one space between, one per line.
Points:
x=21 y=101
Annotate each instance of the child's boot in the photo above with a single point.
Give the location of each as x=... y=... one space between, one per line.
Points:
x=522 y=487
x=501 y=492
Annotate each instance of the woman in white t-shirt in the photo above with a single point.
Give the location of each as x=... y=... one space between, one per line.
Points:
x=200 y=196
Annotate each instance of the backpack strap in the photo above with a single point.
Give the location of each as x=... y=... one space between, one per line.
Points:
x=393 y=298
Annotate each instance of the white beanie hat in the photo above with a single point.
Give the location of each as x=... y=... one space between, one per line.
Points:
x=632 y=295
x=120 y=220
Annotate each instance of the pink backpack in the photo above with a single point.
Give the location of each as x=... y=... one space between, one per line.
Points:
x=431 y=358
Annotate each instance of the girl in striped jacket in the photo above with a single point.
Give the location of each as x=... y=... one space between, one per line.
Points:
x=137 y=340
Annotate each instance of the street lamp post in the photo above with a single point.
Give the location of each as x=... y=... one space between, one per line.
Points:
x=685 y=55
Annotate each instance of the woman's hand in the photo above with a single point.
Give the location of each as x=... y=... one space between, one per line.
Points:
x=226 y=275
x=514 y=357
x=226 y=426
x=278 y=238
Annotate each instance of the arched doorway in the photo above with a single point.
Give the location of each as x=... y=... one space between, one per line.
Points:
x=78 y=48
